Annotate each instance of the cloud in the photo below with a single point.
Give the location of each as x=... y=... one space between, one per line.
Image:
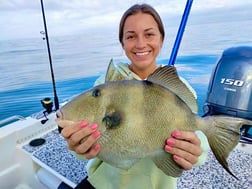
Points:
x=22 y=18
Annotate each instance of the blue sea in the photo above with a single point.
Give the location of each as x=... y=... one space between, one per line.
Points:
x=78 y=59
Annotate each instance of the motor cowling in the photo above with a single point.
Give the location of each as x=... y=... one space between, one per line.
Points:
x=230 y=88
x=230 y=85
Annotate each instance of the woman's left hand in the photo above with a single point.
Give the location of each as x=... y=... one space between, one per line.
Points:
x=185 y=148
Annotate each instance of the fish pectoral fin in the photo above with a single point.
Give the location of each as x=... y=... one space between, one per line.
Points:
x=112 y=120
x=168 y=165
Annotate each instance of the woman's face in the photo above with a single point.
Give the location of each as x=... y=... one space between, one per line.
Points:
x=142 y=40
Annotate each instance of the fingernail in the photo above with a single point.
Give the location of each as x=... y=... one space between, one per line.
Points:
x=93 y=126
x=175 y=157
x=175 y=133
x=168 y=148
x=97 y=147
x=170 y=141
x=83 y=124
x=96 y=134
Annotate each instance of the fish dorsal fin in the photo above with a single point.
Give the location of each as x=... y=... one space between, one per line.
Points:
x=167 y=77
x=167 y=165
x=116 y=72
x=110 y=71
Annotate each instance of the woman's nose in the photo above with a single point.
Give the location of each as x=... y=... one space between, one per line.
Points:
x=140 y=42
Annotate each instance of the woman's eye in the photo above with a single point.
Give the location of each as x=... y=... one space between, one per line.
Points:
x=150 y=34
x=130 y=37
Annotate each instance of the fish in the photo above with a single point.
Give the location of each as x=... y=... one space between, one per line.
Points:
x=135 y=117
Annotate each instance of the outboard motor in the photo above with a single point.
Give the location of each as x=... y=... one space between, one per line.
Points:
x=230 y=87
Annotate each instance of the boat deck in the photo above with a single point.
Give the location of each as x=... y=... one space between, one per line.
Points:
x=55 y=157
x=53 y=164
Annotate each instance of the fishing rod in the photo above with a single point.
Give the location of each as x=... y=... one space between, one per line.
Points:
x=46 y=102
x=180 y=33
x=56 y=101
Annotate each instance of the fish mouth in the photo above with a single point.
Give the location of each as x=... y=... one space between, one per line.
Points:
x=61 y=122
x=59 y=118
x=59 y=114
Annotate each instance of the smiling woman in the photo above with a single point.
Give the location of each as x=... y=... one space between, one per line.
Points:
x=85 y=54
x=141 y=34
x=142 y=42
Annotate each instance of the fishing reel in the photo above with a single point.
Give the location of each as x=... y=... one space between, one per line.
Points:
x=48 y=105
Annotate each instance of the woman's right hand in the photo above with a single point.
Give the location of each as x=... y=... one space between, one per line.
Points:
x=81 y=138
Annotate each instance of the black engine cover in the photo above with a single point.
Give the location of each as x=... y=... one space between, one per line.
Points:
x=230 y=86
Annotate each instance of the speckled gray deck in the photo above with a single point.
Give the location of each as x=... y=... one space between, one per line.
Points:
x=211 y=175
x=55 y=154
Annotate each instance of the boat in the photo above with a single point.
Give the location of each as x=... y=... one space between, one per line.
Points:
x=27 y=163
x=34 y=155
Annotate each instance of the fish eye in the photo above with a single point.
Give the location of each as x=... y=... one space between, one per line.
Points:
x=96 y=93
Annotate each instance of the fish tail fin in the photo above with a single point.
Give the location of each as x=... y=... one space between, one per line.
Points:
x=223 y=133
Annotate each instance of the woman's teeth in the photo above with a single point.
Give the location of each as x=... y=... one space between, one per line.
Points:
x=142 y=53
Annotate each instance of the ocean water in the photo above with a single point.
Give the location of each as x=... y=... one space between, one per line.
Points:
x=79 y=59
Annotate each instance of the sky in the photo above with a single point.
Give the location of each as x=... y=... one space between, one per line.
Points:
x=23 y=18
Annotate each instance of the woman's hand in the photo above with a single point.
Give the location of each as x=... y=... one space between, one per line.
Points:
x=185 y=148
x=81 y=138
